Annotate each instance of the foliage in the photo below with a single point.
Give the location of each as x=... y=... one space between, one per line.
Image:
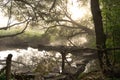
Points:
x=110 y=13
x=2 y=76
x=5 y=32
x=111 y=22
x=30 y=35
x=113 y=78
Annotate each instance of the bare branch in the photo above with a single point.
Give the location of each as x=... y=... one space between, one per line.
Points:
x=23 y=1
x=12 y=35
x=89 y=31
x=81 y=26
x=5 y=28
x=10 y=14
x=1 y=62
x=70 y=27
x=75 y=34
x=53 y=5
x=71 y=42
x=27 y=3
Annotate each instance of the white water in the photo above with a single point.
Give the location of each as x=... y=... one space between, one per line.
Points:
x=25 y=53
x=20 y=52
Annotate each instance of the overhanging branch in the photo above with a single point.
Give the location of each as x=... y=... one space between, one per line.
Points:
x=18 y=23
x=67 y=49
x=87 y=30
x=15 y=34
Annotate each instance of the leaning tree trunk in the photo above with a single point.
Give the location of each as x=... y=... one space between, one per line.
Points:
x=100 y=36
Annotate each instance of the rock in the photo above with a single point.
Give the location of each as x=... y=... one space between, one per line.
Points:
x=91 y=66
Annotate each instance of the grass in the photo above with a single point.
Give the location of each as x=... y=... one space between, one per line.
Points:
x=9 y=31
x=28 y=34
x=29 y=37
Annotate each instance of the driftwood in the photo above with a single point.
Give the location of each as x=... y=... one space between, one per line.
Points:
x=66 y=49
x=71 y=49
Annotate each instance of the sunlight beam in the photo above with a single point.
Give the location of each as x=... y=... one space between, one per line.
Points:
x=76 y=11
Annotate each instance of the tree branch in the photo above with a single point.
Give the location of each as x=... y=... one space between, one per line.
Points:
x=12 y=35
x=89 y=31
x=53 y=5
x=5 y=28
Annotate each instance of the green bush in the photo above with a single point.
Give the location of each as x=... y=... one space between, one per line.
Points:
x=2 y=76
x=113 y=79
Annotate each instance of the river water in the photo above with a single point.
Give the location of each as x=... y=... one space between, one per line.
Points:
x=27 y=53
x=21 y=52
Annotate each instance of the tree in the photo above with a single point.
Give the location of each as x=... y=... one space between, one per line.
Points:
x=110 y=13
x=100 y=35
x=56 y=18
x=49 y=18
x=101 y=39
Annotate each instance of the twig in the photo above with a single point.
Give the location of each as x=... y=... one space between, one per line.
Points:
x=53 y=5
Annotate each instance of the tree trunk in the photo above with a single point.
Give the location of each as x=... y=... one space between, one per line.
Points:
x=63 y=62
x=100 y=36
x=8 y=67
